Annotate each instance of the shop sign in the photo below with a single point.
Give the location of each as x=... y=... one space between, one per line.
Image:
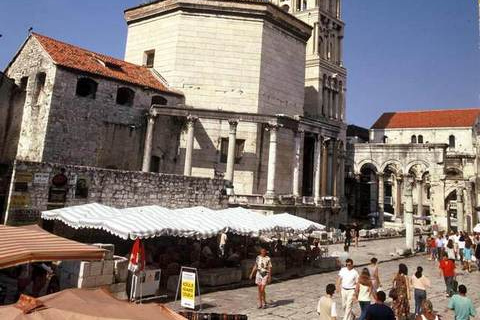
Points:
x=41 y=178
x=19 y=201
x=187 y=293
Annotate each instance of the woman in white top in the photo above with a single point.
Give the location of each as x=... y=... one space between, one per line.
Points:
x=450 y=250
x=420 y=283
x=262 y=269
x=363 y=292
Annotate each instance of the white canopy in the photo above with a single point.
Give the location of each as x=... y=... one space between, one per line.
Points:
x=477 y=228
x=293 y=223
x=195 y=222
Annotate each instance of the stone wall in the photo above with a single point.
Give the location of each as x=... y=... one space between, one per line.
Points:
x=28 y=66
x=12 y=98
x=33 y=191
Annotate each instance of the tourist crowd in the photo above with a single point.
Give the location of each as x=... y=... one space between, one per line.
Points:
x=365 y=288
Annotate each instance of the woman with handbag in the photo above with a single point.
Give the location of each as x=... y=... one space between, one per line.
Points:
x=364 y=292
x=401 y=288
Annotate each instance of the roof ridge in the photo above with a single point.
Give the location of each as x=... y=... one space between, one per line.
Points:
x=433 y=110
x=96 y=54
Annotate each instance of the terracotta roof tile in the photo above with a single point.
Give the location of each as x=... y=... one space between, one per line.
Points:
x=73 y=57
x=427 y=119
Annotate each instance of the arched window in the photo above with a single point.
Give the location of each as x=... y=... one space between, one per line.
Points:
x=413 y=139
x=159 y=100
x=86 y=88
x=451 y=141
x=39 y=93
x=285 y=8
x=385 y=139
x=125 y=96
x=420 y=138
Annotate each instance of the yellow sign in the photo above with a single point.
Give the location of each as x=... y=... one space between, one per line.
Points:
x=188 y=290
x=19 y=201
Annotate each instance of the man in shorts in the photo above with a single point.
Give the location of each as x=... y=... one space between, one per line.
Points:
x=263 y=270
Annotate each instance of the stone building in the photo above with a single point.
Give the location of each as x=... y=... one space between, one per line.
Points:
x=435 y=152
x=264 y=96
x=85 y=108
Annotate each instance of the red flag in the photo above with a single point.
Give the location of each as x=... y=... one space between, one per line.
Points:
x=137 y=257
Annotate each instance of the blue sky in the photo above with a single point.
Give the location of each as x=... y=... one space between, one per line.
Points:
x=400 y=55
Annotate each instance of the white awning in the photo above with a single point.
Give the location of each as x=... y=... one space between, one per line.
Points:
x=194 y=222
x=289 y=222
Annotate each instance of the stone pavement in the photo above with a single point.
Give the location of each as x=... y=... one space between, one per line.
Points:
x=297 y=298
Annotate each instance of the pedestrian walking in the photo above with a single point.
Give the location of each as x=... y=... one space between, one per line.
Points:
x=379 y=310
x=433 y=248
x=461 y=245
x=447 y=270
x=348 y=238
x=435 y=228
x=427 y=312
x=327 y=308
x=401 y=288
x=439 y=247
x=363 y=292
x=467 y=254
x=346 y=282
x=450 y=250
x=374 y=277
x=419 y=283
x=263 y=270
x=356 y=233
x=477 y=251
x=461 y=305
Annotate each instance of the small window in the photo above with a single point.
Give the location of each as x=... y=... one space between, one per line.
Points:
x=285 y=7
x=420 y=138
x=86 y=88
x=451 y=141
x=113 y=66
x=413 y=139
x=159 y=100
x=125 y=96
x=385 y=139
x=154 y=164
x=239 y=146
x=149 y=58
x=39 y=87
x=23 y=83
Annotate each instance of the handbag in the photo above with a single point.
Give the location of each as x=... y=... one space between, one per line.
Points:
x=393 y=294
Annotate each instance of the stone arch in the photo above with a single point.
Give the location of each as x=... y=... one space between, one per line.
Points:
x=421 y=163
x=392 y=164
x=369 y=162
x=453 y=173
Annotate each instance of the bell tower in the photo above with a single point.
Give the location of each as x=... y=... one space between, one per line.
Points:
x=325 y=75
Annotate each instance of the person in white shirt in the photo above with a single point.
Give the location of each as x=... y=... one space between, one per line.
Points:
x=222 y=242
x=346 y=282
x=327 y=308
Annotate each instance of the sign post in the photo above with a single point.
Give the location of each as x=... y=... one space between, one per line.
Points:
x=187 y=283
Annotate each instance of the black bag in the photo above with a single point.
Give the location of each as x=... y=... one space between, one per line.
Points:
x=392 y=294
x=455 y=285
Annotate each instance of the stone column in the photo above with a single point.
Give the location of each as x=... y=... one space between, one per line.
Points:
x=460 y=213
x=408 y=216
x=272 y=162
x=324 y=165
x=189 y=148
x=232 y=138
x=147 y=149
x=398 y=197
x=468 y=208
x=335 y=168
x=420 y=197
x=298 y=164
x=381 y=199
x=317 y=194
x=330 y=163
x=341 y=179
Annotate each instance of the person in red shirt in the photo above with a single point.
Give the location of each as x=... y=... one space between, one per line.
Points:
x=432 y=247
x=447 y=269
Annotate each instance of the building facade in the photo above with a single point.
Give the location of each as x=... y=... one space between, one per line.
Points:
x=265 y=103
x=435 y=152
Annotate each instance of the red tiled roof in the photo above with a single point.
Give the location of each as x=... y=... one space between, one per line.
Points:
x=73 y=57
x=427 y=119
